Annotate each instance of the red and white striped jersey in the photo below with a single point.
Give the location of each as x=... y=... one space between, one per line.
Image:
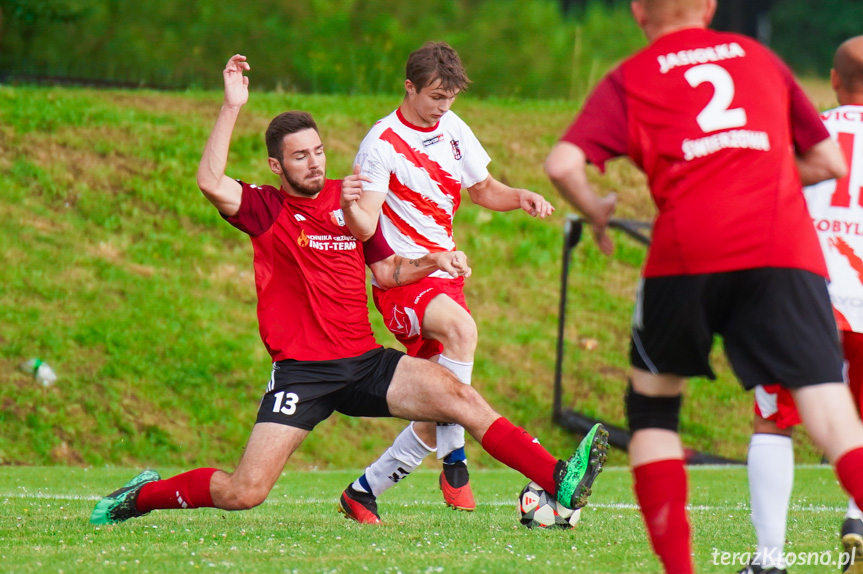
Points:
x=422 y=171
x=836 y=207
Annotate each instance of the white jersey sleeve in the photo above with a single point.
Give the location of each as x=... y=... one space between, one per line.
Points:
x=836 y=207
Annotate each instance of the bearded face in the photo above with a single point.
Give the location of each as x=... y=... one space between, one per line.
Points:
x=303 y=163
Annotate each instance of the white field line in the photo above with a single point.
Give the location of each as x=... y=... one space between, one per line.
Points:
x=493 y=503
x=284 y=499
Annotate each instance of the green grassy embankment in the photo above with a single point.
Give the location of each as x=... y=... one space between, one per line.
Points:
x=118 y=273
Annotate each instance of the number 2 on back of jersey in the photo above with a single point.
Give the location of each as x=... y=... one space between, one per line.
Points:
x=716 y=115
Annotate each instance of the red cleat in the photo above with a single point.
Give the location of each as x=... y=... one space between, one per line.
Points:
x=359 y=506
x=458 y=498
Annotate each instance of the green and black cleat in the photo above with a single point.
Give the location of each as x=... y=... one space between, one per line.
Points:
x=575 y=476
x=120 y=505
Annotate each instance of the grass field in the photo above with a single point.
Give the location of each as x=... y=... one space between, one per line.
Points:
x=44 y=527
x=121 y=275
x=117 y=272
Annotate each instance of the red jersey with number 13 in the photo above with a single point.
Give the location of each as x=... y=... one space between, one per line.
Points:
x=713 y=119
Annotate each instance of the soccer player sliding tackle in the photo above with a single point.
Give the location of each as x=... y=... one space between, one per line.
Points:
x=313 y=318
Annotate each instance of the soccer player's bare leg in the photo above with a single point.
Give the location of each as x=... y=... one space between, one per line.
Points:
x=452 y=326
x=656 y=458
x=422 y=390
x=268 y=449
x=263 y=460
x=830 y=418
x=829 y=415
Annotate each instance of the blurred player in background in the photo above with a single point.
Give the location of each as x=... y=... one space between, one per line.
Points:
x=718 y=124
x=837 y=211
x=412 y=166
x=313 y=318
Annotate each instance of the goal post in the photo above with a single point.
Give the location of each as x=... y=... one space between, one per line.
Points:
x=572 y=420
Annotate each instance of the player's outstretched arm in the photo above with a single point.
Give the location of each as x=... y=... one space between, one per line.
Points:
x=395 y=271
x=566 y=168
x=822 y=161
x=492 y=194
x=222 y=191
x=361 y=210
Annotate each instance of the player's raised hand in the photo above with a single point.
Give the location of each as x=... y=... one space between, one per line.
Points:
x=352 y=187
x=452 y=262
x=535 y=204
x=236 y=84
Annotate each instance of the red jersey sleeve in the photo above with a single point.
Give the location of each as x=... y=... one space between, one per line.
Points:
x=259 y=208
x=376 y=248
x=601 y=129
x=807 y=129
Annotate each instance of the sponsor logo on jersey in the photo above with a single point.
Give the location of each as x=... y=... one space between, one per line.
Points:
x=303 y=240
x=838 y=226
x=338 y=217
x=699 y=56
x=840 y=301
x=456 y=151
x=327 y=242
x=299 y=217
x=732 y=139
x=843 y=114
x=431 y=141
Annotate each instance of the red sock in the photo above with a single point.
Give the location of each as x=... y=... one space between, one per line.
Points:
x=660 y=488
x=515 y=448
x=188 y=490
x=849 y=470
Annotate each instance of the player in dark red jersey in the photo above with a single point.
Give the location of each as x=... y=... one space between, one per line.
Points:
x=712 y=119
x=313 y=316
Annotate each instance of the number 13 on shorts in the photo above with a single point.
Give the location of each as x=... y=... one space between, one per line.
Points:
x=285 y=403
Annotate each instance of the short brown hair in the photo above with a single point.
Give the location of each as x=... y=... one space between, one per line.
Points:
x=436 y=61
x=284 y=124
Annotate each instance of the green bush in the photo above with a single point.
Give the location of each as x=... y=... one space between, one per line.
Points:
x=512 y=48
x=807 y=37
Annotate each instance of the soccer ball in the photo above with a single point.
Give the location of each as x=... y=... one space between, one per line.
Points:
x=538 y=509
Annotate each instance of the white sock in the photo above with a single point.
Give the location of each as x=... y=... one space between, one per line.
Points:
x=770 y=463
x=461 y=370
x=853 y=511
x=451 y=436
x=399 y=460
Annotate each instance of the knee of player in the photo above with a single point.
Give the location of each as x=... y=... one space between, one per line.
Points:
x=466 y=394
x=647 y=412
x=246 y=497
x=461 y=337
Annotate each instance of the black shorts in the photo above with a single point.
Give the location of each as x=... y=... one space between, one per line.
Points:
x=777 y=326
x=303 y=393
